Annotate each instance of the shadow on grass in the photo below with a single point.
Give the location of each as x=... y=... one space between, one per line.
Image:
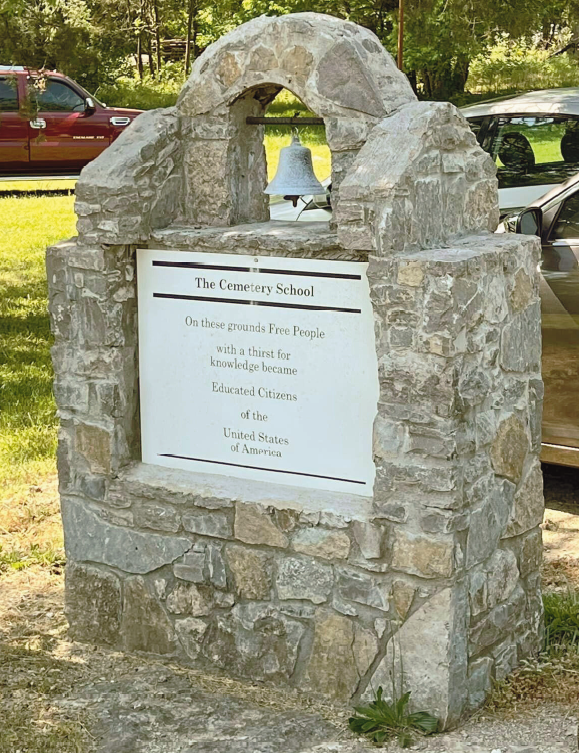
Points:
x=33 y=678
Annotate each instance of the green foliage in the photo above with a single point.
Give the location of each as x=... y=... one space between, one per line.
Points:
x=520 y=65
x=382 y=720
x=146 y=94
x=561 y=620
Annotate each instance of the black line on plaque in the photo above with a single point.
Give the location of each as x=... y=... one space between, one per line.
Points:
x=257 y=468
x=201 y=265
x=273 y=304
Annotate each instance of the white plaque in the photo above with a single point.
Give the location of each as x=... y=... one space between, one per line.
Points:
x=258 y=367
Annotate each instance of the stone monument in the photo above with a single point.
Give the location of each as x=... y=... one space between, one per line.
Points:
x=304 y=453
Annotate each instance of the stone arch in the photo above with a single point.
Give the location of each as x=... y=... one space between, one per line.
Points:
x=338 y=69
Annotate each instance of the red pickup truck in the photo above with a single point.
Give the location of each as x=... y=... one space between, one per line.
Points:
x=51 y=126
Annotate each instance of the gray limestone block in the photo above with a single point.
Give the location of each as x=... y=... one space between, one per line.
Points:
x=494 y=581
x=488 y=521
x=303 y=578
x=331 y=666
x=190 y=599
x=427 y=657
x=479 y=681
x=427 y=556
x=372 y=591
x=191 y=567
x=531 y=552
x=190 y=632
x=494 y=625
x=521 y=341
x=88 y=538
x=255 y=642
x=251 y=571
x=321 y=542
x=529 y=503
x=509 y=449
x=255 y=525
x=214 y=524
x=93 y=603
x=216 y=566
x=145 y=625
x=157 y=517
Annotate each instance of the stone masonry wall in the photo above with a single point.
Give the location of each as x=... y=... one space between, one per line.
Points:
x=431 y=585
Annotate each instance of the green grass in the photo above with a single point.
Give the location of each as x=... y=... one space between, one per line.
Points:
x=553 y=676
x=27 y=410
x=561 y=620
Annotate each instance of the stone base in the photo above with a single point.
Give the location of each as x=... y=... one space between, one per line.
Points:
x=262 y=581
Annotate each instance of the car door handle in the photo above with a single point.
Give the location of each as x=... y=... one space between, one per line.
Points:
x=120 y=121
x=38 y=123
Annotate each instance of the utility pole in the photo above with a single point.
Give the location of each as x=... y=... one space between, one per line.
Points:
x=400 y=32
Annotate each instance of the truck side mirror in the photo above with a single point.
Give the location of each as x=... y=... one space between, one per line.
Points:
x=89 y=106
x=530 y=222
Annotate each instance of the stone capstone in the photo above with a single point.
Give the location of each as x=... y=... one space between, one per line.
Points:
x=93 y=604
x=145 y=626
x=90 y=538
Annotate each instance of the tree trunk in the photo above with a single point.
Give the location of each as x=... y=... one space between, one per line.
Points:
x=150 y=51
x=157 y=35
x=188 y=43
x=140 y=55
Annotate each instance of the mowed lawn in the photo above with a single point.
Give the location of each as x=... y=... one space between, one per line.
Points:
x=29 y=223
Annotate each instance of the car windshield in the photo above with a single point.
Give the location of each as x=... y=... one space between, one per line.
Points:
x=532 y=150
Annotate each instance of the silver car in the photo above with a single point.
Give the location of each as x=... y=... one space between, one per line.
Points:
x=533 y=138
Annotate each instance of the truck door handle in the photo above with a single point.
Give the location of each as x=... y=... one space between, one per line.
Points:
x=38 y=123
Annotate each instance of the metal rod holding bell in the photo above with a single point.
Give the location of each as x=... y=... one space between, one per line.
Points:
x=295 y=173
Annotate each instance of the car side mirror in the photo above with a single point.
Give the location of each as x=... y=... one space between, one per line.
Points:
x=530 y=222
x=89 y=106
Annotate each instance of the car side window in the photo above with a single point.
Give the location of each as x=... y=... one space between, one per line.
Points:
x=567 y=223
x=533 y=150
x=8 y=95
x=58 y=97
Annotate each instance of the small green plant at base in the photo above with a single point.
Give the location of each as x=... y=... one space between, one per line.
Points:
x=561 y=619
x=382 y=720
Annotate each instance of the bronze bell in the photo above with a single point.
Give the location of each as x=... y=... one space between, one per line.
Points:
x=295 y=174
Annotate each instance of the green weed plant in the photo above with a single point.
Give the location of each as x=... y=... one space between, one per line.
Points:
x=381 y=721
